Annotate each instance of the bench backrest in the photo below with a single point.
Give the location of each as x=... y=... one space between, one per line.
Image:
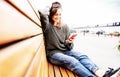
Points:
x=22 y=52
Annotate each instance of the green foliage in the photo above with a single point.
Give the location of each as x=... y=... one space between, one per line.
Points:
x=118 y=47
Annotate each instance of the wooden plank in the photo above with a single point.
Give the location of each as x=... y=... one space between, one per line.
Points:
x=70 y=74
x=15 y=26
x=57 y=71
x=76 y=75
x=38 y=67
x=15 y=59
x=43 y=67
x=63 y=72
x=34 y=7
x=50 y=70
x=24 y=7
x=45 y=63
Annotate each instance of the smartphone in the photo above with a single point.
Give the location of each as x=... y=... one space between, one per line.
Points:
x=72 y=36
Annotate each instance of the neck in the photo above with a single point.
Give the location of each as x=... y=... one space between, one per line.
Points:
x=57 y=25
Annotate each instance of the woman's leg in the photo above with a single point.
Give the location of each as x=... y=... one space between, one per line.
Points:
x=70 y=63
x=84 y=60
x=87 y=63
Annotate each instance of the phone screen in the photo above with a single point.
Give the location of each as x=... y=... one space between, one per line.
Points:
x=72 y=36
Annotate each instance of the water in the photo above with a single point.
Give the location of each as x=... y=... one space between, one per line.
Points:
x=106 y=29
x=102 y=50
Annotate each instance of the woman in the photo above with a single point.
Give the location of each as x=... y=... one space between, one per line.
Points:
x=59 y=46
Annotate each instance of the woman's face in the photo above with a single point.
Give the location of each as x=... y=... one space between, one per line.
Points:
x=57 y=16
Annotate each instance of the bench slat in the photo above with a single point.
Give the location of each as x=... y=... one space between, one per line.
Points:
x=76 y=75
x=15 y=59
x=24 y=7
x=50 y=70
x=33 y=6
x=70 y=74
x=57 y=71
x=38 y=63
x=15 y=26
x=43 y=66
x=63 y=72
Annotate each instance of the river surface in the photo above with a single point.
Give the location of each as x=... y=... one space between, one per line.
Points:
x=101 y=49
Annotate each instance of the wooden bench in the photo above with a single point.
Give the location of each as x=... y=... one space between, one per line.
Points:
x=56 y=71
x=22 y=50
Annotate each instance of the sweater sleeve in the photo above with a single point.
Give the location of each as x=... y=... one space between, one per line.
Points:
x=43 y=19
x=68 y=45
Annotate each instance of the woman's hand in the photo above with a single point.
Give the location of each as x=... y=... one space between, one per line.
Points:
x=69 y=40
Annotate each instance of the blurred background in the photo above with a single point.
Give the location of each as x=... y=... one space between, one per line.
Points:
x=80 y=13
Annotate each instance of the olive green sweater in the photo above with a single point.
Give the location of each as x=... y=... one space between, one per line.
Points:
x=55 y=39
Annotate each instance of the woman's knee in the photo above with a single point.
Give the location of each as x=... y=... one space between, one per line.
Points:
x=71 y=62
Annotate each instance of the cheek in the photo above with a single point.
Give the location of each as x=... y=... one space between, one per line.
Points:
x=55 y=18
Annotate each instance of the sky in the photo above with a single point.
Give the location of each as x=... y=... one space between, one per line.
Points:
x=79 y=13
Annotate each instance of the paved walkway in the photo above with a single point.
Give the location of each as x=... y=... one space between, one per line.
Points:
x=102 y=50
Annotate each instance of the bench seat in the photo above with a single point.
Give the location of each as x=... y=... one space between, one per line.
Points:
x=57 y=71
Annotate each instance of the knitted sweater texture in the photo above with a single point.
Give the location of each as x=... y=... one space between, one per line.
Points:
x=55 y=39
